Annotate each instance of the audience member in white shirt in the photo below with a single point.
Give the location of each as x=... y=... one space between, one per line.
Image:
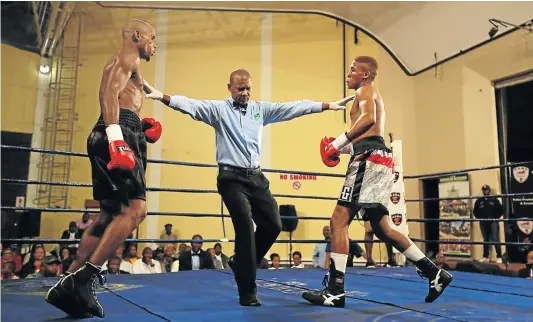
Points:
x=297 y=260
x=113 y=267
x=276 y=260
x=124 y=265
x=146 y=265
x=319 y=253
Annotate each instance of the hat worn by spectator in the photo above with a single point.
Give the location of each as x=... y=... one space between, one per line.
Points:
x=485 y=187
x=49 y=260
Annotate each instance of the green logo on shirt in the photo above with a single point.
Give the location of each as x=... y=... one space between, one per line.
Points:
x=256 y=116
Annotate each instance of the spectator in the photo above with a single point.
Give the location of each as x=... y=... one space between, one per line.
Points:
x=124 y=264
x=159 y=255
x=195 y=259
x=440 y=261
x=489 y=208
x=527 y=272
x=84 y=223
x=8 y=271
x=132 y=254
x=35 y=261
x=319 y=253
x=216 y=262
x=276 y=260
x=11 y=254
x=297 y=260
x=113 y=266
x=182 y=248
x=49 y=268
x=66 y=260
x=187 y=249
x=8 y=256
x=147 y=265
x=71 y=234
x=221 y=256
x=168 y=235
x=354 y=251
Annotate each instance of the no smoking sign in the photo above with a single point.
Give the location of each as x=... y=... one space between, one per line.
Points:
x=296 y=185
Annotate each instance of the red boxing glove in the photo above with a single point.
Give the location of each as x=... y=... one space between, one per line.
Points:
x=330 y=155
x=152 y=129
x=122 y=157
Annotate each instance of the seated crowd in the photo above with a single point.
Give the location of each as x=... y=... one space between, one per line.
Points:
x=166 y=257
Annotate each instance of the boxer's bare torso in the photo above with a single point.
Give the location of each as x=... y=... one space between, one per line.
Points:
x=378 y=129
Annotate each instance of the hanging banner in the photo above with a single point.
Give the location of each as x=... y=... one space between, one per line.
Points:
x=396 y=207
x=451 y=187
x=522 y=182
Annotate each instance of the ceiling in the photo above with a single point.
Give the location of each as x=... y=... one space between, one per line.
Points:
x=418 y=35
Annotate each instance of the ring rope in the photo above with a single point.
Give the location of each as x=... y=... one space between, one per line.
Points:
x=445 y=173
x=281 y=241
x=150 y=213
x=170 y=241
x=76 y=184
x=467 y=219
x=188 y=164
x=186 y=214
x=505 y=195
x=465 y=242
x=322 y=174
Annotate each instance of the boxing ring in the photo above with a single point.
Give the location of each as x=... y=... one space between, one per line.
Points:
x=381 y=294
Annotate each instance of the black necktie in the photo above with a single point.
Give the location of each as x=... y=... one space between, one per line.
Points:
x=242 y=107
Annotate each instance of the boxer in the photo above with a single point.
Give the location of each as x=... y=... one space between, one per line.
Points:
x=117 y=151
x=369 y=180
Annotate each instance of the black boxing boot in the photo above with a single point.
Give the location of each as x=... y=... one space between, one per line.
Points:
x=66 y=301
x=438 y=278
x=333 y=294
x=82 y=284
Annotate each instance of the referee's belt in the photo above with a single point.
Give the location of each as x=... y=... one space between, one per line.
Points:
x=249 y=172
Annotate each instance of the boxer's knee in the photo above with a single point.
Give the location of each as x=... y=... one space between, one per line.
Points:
x=138 y=210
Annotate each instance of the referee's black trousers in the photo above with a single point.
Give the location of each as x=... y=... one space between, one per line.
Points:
x=247 y=197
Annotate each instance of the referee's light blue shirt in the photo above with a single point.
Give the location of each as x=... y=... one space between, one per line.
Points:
x=238 y=136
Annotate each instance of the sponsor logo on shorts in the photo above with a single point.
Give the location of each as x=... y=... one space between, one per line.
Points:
x=396 y=176
x=521 y=174
x=397 y=219
x=395 y=197
x=124 y=148
x=346 y=193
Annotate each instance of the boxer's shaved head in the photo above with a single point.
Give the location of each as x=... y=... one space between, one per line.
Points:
x=136 y=25
x=240 y=86
x=139 y=35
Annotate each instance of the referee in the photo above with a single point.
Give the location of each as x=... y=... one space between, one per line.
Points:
x=238 y=123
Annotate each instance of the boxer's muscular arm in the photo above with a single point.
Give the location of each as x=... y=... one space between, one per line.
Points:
x=117 y=73
x=367 y=109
